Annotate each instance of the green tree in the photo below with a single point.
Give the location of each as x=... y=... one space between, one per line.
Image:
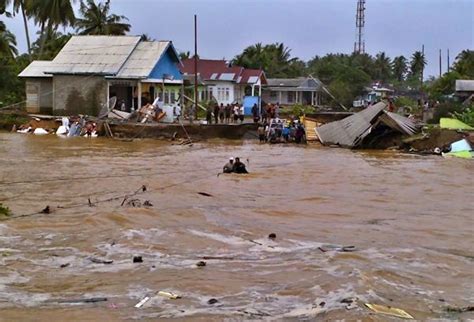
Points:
x=417 y=64
x=464 y=64
x=275 y=59
x=96 y=20
x=50 y=14
x=7 y=42
x=444 y=85
x=382 y=67
x=53 y=42
x=399 y=68
x=184 y=55
x=23 y=7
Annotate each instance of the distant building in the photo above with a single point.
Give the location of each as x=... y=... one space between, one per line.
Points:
x=464 y=88
x=291 y=91
x=222 y=82
x=373 y=95
x=89 y=70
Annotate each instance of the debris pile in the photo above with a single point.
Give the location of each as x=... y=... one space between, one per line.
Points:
x=366 y=128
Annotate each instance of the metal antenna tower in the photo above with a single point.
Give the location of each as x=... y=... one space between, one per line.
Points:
x=359 y=45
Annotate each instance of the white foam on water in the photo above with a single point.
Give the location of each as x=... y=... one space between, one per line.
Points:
x=146 y=234
x=230 y=240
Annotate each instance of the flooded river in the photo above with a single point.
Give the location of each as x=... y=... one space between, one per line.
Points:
x=411 y=219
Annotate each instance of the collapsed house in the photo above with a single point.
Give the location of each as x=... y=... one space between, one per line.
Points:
x=373 y=127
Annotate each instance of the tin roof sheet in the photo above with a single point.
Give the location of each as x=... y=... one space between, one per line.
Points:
x=464 y=85
x=93 y=55
x=350 y=131
x=143 y=59
x=36 y=69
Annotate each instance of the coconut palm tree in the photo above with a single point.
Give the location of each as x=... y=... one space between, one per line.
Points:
x=50 y=14
x=464 y=63
x=96 y=20
x=399 y=68
x=19 y=6
x=7 y=42
x=382 y=67
x=417 y=64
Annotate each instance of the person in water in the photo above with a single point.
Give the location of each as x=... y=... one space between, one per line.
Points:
x=239 y=167
x=229 y=166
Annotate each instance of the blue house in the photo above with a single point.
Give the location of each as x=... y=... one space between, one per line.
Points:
x=89 y=70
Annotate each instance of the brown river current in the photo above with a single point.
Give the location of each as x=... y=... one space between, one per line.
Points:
x=410 y=217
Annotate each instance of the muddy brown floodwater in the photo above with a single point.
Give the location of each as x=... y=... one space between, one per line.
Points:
x=410 y=218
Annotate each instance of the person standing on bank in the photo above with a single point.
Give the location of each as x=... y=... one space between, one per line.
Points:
x=255 y=115
x=216 y=113
x=221 y=113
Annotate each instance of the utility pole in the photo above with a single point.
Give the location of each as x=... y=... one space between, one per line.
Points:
x=440 y=64
x=195 y=65
x=359 y=45
x=448 y=67
x=421 y=80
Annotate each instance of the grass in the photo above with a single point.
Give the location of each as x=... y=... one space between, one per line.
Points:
x=4 y=211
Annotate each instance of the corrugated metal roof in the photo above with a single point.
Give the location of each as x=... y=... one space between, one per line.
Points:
x=285 y=82
x=350 y=131
x=143 y=59
x=93 y=55
x=301 y=83
x=464 y=85
x=36 y=69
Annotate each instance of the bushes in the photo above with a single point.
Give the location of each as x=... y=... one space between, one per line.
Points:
x=299 y=110
x=446 y=110
x=466 y=116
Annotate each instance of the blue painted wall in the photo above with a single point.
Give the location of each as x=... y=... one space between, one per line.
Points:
x=166 y=65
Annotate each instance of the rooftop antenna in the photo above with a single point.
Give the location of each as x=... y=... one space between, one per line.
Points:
x=359 y=45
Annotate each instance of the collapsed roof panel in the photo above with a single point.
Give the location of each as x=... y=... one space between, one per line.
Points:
x=349 y=131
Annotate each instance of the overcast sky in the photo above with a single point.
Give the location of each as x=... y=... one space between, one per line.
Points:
x=307 y=27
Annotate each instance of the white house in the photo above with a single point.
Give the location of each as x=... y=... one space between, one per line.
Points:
x=226 y=83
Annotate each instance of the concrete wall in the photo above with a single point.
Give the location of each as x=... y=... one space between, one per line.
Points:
x=78 y=94
x=39 y=97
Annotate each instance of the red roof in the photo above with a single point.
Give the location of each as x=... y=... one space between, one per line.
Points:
x=219 y=70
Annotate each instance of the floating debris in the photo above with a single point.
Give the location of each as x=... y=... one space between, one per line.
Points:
x=388 y=310
x=100 y=261
x=212 y=301
x=205 y=194
x=201 y=264
x=272 y=236
x=169 y=295
x=142 y=302
x=454 y=309
x=137 y=259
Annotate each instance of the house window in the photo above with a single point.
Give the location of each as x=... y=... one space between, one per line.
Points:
x=273 y=94
x=227 y=94
x=291 y=97
x=167 y=96
x=172 y=97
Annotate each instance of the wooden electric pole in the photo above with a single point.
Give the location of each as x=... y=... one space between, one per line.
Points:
x=196 y=96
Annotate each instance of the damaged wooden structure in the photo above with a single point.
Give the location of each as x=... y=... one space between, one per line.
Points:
x=374 y=127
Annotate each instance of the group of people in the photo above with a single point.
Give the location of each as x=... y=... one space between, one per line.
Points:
x=234 y=166
x=225 y=114
x=280 y=131
x=266 y=113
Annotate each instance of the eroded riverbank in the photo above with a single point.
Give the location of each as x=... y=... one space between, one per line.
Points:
x=409 y=216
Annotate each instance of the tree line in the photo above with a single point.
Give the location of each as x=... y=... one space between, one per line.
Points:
x=346 y=75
